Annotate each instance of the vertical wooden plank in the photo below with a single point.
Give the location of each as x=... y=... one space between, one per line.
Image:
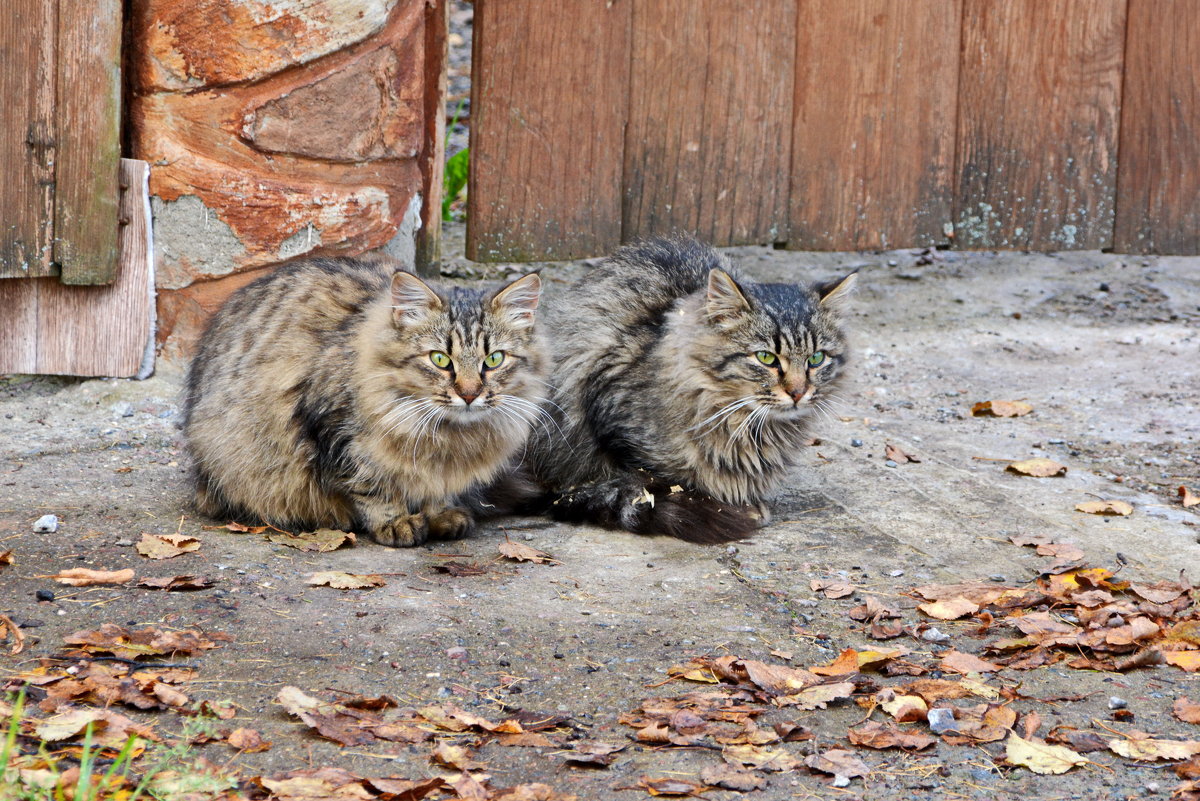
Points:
x=1039 y=99
x=105 y=330
x=433 y=157
x=548 y=105
x=874 y=123
x=27 y=148
x=710 y=106
x=51 y=328
x=1158 y=178
x=89 y=146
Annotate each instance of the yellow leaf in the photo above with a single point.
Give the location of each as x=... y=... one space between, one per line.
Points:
x=1105 y=508
x=1149 y=750
x=1040 y=757
x=1001 y=408
x=345 y=581
x=166 y=546
x=1038 y=468
x=1188 y=660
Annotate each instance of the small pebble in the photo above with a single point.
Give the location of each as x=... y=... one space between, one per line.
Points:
x=457 y=652
x=44 y=595
x=528 y=536
x=1152 y=787
x=731 y=550
x=46 y=524
x=891 y=263
x=1117 y=703
x=1104 y=287
x=123 y=409
x=841 y=781
x=125 y=543
x=890 y=463
x=895 y=573
x=940 y=720
x=998 y=578
x=856 y=443
x=933 y=634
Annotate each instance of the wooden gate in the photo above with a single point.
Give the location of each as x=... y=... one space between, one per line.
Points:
x=835 y=124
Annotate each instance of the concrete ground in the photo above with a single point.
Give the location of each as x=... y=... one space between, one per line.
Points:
x=1105 y=347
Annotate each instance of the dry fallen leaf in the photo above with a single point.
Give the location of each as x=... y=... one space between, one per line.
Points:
x=166 y=546
x=874 y=734
x=1188 y=498
x=1149 y=749
x=6 y=559
x=1001 y=408
x=322 y=540
x=247 y=740
x=523 y=553
x=83 y=577
x=669 y=787
x=1188 y=660
x=728 y=777
x=959 y=662
x=592 y=752
x=9 y=628
x=178 y=583
x=898 y=455
x=844 y=765
x=1105 y=508
x=904 y=708
x=831 y=589
x=456 y=757
x=134 y=643
x=240 y=528
x=817 y=697
x=1038 y=468
x=1186 y=710
x=950 y=609
x=1041 y=757
x=345 y=581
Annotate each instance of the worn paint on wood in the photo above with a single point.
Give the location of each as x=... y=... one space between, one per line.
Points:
x=874 y=123
x=51 y=328
x=1158 y=178
x=88 y=117
x=27 y=137
x=710 y=108
x=1038 y=108
x=547 y=129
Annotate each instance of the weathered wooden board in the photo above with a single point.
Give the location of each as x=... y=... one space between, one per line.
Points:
x=433 y=157
x=27 y=137
x=1038 y=110
x=1158 y=179
x=874 y=124
x=547 y=125
x=51 y=328
x=89 y=146
x=710 y=108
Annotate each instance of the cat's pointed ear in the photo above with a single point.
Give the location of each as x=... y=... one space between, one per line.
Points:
x=725 y=299
x=834 y=293
x=519 y=300
x=413 y=300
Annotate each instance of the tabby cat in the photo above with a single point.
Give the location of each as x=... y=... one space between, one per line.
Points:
x=683 y=391
x=343 y=393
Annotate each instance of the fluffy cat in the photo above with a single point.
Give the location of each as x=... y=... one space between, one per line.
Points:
x=683 y=391
x=347 y=394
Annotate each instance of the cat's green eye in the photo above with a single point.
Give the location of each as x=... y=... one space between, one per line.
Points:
x=439 y=359
x=817 y=359
x=766 y=357
x=494 y=359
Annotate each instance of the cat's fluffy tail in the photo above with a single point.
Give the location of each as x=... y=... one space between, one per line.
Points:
x=648 y=506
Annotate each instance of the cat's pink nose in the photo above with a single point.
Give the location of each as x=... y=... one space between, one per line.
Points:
x=468 y=395
x=797 y=393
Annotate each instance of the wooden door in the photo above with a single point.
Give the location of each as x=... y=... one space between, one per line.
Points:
x=60 y=139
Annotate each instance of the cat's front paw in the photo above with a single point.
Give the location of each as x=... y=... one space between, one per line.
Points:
x=451 y=524
x=402 y=531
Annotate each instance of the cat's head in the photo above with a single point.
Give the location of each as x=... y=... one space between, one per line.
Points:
x=779 y=347
x=463 y=355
